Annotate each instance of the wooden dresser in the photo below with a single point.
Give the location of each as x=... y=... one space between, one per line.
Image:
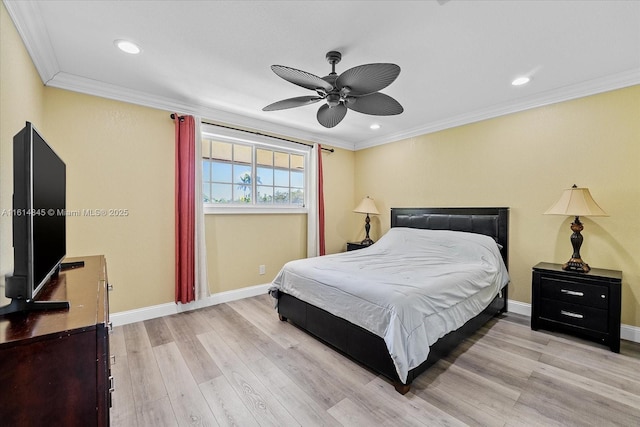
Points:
x=54 y=365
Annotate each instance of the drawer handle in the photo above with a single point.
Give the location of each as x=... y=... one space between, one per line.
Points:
x=113 y=359
x=112 y=384
x=572 y=293
x=109 y=286
x=570 y=314
x=110 y=327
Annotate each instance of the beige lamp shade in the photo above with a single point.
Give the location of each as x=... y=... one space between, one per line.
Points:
x=367 y=206
x=576 y=201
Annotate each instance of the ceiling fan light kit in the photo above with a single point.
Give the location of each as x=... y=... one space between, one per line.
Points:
x=356 y=89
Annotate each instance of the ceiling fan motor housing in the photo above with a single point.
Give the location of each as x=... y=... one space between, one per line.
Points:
x=334 y=57
x=333 y=99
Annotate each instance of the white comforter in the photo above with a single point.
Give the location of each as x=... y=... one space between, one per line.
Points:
x=410 y=288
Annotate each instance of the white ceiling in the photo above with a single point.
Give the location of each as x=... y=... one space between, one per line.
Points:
x=212 y=58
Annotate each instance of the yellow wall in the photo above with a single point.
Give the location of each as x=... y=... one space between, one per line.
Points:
x=524 y=161
x=121 y=156
x=339 y=196
x=21 y=99
x=238 y=244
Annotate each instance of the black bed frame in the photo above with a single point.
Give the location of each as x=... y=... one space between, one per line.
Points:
x=370 y=349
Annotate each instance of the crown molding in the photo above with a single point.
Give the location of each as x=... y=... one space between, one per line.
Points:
x=27 y=18
x=74 y=83
x=567 y=93
x=105 y=90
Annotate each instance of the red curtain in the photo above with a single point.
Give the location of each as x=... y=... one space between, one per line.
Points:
x=185 y=208
x=321 y=242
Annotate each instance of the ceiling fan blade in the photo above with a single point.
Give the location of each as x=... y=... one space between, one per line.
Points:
x=331 y=116
x=369 y=78
x=376 y=104
x=298 y=101
x=301 y=78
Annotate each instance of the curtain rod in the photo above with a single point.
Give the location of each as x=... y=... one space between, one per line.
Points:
x=181 y=118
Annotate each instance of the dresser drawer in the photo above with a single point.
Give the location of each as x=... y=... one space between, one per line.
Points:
x=573 y=314
x=591 y=295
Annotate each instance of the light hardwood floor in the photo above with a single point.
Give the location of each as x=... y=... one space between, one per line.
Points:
x=237 y=364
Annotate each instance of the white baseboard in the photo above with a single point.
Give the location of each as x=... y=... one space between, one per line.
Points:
x=146 y=313
x=519 y=307
x=627 y=332
x=630 y=333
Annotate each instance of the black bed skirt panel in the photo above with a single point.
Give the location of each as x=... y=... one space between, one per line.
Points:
x=368 y=348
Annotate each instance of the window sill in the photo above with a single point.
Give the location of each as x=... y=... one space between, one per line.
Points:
x=250 y=210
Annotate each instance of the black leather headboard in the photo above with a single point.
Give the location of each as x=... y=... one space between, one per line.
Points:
x=492 y=222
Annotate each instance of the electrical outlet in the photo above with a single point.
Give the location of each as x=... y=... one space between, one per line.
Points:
x=262 y=269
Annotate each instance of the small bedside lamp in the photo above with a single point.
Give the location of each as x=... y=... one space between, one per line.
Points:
x=576 y=202
x=367 y=206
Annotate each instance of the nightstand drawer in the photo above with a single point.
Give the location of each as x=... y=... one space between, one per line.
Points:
x=577 y=315
x=574 y=292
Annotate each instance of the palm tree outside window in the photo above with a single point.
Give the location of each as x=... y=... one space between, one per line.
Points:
x=229 y=167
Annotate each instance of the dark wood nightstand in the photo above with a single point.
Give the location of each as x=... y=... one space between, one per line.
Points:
x=583 y=304
x=353 y=246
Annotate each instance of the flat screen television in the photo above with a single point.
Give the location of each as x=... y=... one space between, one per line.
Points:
x=39 y=221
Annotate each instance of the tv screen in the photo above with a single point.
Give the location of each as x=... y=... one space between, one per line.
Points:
x=48 y=219
x=39 y=221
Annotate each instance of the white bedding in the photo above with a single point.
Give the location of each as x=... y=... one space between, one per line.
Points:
x=410 y=288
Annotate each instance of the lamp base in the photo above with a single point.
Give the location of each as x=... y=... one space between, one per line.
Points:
x=576 y=264
x=367 y=242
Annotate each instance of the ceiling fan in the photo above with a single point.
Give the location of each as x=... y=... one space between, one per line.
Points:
x=355 y=89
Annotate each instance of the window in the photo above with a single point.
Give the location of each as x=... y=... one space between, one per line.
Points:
x=250 y=172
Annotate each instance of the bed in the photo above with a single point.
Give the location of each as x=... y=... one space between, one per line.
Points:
x=362 y=302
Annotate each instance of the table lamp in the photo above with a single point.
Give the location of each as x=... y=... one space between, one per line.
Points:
x=367 y=206
x=576 y=202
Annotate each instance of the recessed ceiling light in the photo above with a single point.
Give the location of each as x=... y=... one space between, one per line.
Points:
x=127 y=46
x=374 y=126
x=521 y=81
